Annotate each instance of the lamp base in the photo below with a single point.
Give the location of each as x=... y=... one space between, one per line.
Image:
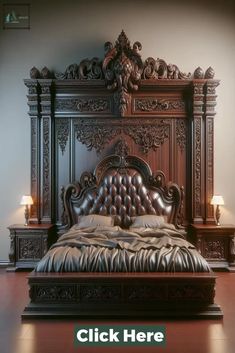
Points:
x=217 y=215
x=26 y=214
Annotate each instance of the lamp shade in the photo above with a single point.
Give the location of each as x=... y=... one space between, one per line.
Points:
x=217 y=200
x=26 y=200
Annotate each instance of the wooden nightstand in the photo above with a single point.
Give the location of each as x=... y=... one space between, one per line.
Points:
x=29 y=244
x=215 y=243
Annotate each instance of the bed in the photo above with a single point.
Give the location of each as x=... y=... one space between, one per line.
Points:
x=162 y=169
x=122 y=251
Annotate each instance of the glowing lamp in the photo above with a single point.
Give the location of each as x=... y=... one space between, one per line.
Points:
x=26 y=200
x=218 y=201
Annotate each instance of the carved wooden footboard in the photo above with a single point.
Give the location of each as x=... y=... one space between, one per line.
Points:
x=122 y=295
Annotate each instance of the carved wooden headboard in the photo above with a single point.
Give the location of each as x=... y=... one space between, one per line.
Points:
x=122 y=186
x=165 y=116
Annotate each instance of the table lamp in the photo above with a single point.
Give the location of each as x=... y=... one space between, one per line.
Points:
x=26 y=201
x=217 y=200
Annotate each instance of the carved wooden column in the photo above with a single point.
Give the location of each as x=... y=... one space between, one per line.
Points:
x=197 y=153
x=47 y=146
x=34 y=113
x=210 y=103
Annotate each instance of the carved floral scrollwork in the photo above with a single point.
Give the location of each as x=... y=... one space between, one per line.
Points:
x=197 y=181
x=100 y=292
x=87 y=179
x=122 y=148
x=46 y=165
x=122 y=68
x=214 y=249
x=54 y=293
x=93 y=105
x=29 y=248
x=154 y=104
x=90 y=69
x=63 y=133
x=86 y=70
x=158 y=69
x=181 y=133
x=149 y=136
x=94 y=136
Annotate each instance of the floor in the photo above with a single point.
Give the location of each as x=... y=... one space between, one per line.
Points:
x=183 y=336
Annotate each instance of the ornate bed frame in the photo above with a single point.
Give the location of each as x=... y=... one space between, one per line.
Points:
x=123 y=182
x=166 y=117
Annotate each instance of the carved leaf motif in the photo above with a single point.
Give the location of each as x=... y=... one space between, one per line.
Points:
x=29 y=249
x=54 y=293
x=121 y=101
x=122 y=148
x=195 y=292
x=181 y=132
x=154 y=104
x=198 y=166
x=147 y=292
x=86 y=70
x=34 y=165
x=62 y=133
x=96 y=104
x=46 y=166
x=90 y=69
x=158 y=69
x=95 y=136
x=100 y=292
x=122 y=67
x=150 y=136
x=214 y=249
x=93 y=105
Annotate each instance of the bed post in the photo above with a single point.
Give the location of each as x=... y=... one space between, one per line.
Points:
x=34 y=113
x=210 y=103
x=197 y=152
x=47 y=150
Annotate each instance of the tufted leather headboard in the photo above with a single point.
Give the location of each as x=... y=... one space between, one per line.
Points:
x=123 y=187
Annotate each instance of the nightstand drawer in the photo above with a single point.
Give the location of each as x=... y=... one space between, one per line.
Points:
x=29 y=244
x=215 y=248
x=29 y=248
x=215 y=243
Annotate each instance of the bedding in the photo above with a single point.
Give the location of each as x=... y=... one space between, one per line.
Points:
x=93 y=220
x=113 y=249
x=151 y=221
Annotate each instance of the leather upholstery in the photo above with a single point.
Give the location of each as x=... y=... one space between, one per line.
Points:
x=123 y=195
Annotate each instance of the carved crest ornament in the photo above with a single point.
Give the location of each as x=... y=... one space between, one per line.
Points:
x=122 y=69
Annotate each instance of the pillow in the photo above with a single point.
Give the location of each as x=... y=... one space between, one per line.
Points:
x=94 y=220
x=147 y=221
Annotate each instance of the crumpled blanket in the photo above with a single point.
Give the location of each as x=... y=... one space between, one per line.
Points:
x=113 y=249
